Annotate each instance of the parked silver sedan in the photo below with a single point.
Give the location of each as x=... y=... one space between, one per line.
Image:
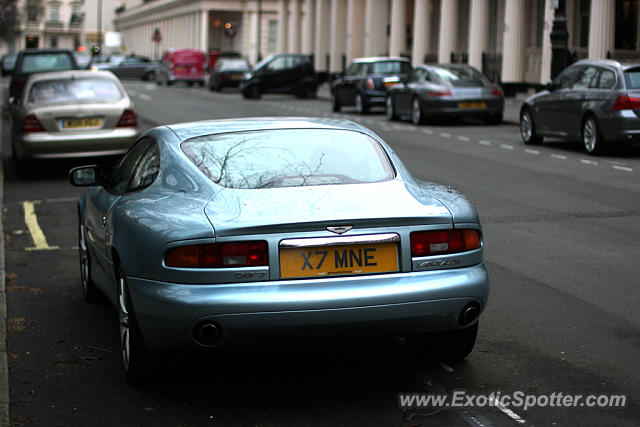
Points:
x=444 y=90
x=72 y=114
x=213 y=233
x=594 y=101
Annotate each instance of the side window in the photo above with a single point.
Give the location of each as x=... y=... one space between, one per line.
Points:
x=120 y=176
x=417 y=76
x=567 y=77
x=353 y=70
x=607 y=80
x=586 y=79
x=278 y=64
x=146 y=170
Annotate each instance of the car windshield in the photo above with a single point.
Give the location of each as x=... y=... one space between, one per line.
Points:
x=46 y=62
x=459 y=76
x=261 y=64
x=633 y=78
x=233 y=64
x=76 y=90
x=389 y=67
x=289 y=158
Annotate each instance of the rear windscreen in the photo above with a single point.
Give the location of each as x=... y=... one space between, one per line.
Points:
x=633 y=78
x=460 y=76
x=389 y=67
x=76 y=90
x=46 y=62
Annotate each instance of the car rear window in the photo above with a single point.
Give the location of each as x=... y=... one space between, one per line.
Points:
x=46 y=62
x=289 y=158
x=389 y=67
x=633 y=78
x=77 y=90
x=459 y=76
x=233 y=64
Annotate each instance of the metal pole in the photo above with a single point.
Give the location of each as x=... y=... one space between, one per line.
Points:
x=259 y=30
x=100 y=25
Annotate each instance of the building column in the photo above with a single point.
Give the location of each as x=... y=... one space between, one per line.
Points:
x=294 y=27
x=338 y=30
x=355 y=29
x=421 y=31
x=308 y=41
x=547 y=53
x=282 y=26
x=448 y=30
x=397 y=44
x=513 y=42
x=375 y=27
x=602 y=28
x=478 y=32
x=323 y=28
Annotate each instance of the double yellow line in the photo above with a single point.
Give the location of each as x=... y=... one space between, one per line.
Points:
x=39 y=239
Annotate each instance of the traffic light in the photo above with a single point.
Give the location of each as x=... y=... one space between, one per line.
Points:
x=96 y=50
x=230 y=30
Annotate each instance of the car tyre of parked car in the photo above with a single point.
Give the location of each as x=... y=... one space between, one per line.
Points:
x=90 y=291
x=361 y=104
x=528 y=128
x=214 y=85
x=417 y=116
x=450 y=346
x=335 y=104
x=252 y=92
x=149 y=76
x=134 y=352
x=390 y=110
x=591 y=135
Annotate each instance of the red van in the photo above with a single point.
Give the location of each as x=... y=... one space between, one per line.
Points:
x=182 y=65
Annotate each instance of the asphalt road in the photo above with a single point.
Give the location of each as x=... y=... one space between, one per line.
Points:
x=561 y=236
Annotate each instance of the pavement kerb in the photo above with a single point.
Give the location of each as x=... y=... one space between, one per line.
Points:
x=4 y=368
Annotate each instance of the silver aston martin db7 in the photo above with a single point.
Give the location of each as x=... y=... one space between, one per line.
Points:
x=211 y=233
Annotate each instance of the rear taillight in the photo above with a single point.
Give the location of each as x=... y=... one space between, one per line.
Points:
x=31 y=124
x=370 y=84
x=425 y=243
x=129 y=118
x=444 y=92
x=218 y=255
x=496 y=91
x=625 y=102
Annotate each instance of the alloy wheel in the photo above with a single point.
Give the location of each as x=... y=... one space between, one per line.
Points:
x=590 y=135
x=526 y=126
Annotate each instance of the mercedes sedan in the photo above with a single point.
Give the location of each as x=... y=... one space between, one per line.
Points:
x=212 y=233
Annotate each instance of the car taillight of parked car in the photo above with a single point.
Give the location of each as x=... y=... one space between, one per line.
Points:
x=441 y=242
x=370 y=84
x=625 y=102
x=496 y=91
x=31 y=124
x=219 y=255
x=444 y=92
x=129 y=118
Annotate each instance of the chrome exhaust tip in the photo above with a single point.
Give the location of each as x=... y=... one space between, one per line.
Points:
x=207 y=333
x=469 y=314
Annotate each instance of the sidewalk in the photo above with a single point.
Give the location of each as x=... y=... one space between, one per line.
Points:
x=511 y=105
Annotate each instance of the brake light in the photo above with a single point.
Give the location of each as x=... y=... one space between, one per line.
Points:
x=496 y=91
x=625 y=102
x=370 y=84
x=219 y=255
x=31 y=124
x=440 y=242
x=445 y=92
x=129 y=118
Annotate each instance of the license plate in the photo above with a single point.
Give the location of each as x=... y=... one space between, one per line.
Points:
x=237 y=76
x=474 y=105
x=80 y=123
x=339 y=260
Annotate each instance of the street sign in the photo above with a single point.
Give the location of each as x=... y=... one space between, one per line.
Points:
x=157 y=36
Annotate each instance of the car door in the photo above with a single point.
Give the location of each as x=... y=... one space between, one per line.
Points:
x=277 y=74
x=575 y=98
x=133 y=67
x=548 y=108
x=346 y=90
x=415 y=84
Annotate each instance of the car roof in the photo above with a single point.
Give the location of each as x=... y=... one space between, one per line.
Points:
x=33 y=51
x=609 y=62
x=380 y=59
x=71 y=74
x=202 y=128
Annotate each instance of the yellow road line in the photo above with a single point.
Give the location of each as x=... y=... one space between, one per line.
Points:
x=39 y=240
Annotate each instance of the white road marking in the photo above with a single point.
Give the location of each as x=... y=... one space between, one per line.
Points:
x=144 y=97
x=559 y=156
x=530 y=151
x=483 y=142
x=464 y=138
x=445 y=135
x=427 y=131
x=508 y=412
x=588 y=162
x=38 y=237
x=622 y=168
x=150 y=86
x=445 y=367
x=506 y=146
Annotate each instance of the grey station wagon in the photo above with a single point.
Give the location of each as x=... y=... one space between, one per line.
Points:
x=594 y=101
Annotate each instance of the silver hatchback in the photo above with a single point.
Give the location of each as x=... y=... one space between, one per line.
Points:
x=594 y=101
x=72 y=114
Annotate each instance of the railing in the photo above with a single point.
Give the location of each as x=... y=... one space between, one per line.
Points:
x=53 y=25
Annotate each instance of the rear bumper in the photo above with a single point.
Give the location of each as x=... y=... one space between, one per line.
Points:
x=389 y=304
x=620 y=126
x=447 y=106
x=43 y=145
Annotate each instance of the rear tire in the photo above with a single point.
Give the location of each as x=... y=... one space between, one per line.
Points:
x=252 y=92
x=528 y=128
x=591 y=136
x=335 y=104
x=444 y=346
x=390 y=110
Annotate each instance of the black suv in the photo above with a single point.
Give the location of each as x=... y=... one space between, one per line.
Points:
x=283 y=73
x=31 y=61
x=363 y=84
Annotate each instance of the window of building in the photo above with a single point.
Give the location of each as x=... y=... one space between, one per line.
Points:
x=626 y=21
x=54 y=13
x=584 y=11
x=272 y=36
x=32 y=11
x=53 y=41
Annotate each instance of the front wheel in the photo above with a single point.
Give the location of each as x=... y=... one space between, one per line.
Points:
x=591 y=136
x=149 y=76
x=417 y=116
x=444 y=346
x=528 y=128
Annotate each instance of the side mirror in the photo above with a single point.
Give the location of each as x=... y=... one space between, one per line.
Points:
x=85 y=176
x=550 y=86
x=13 y=100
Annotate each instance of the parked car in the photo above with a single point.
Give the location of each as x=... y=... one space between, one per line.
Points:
x=445 y=90
x=72 y=114
x=228 y=72
x=363 y=84
x=32 y=61
x=250 y=228
x=182 y=65
x=594 y=101
x=282 y=73
x=7 y=63
x=131 y=66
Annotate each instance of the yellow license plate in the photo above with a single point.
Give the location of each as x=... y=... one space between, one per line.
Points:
x=474 y=105
x=80 y=123
x=339 y=260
